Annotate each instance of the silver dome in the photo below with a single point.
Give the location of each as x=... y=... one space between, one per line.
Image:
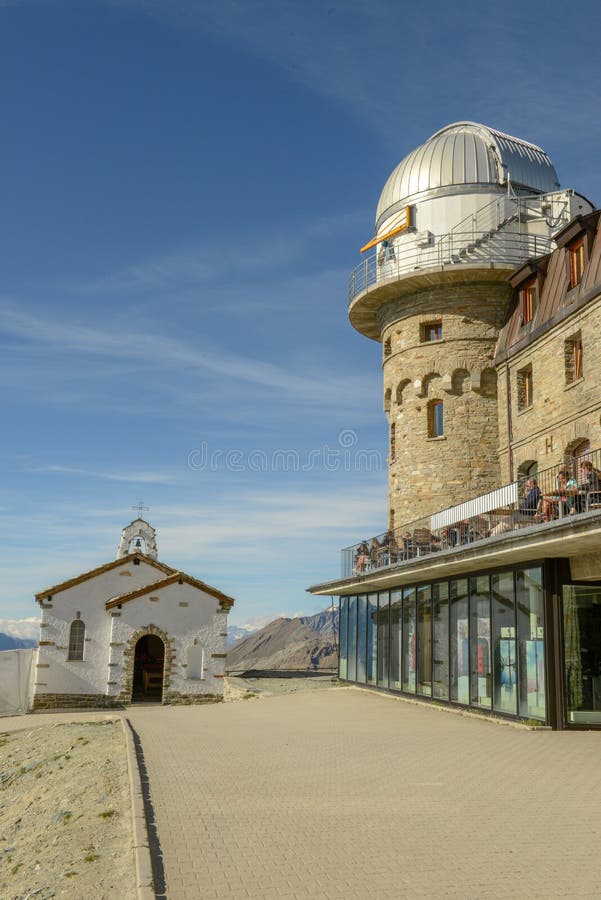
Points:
x=466 y=153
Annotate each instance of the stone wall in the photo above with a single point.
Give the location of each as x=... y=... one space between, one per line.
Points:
x=73 y=701
x=428 y=473
x=564 y=412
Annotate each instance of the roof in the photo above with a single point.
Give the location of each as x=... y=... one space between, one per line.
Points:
x=555 y=299
x=467 y=153
x=115 y=563
x=177 y=577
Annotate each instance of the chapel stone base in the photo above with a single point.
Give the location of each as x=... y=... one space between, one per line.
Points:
x=74 y=701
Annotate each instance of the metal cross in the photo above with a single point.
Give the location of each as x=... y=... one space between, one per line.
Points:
x=140 y=508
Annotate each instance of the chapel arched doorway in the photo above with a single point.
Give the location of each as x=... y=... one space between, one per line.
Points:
x=149 y=668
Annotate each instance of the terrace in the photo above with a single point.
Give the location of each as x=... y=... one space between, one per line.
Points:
x=554 y=500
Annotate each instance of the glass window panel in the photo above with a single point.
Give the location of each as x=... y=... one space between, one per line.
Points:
x=459 y=642
x=504 y=643
x=396 y=606
x=480 y=665
x=408 y=640
x=424 y=640
x=372 y=638
x=352 y=639
x=76 y=638
x=440 y=641
x=582 y=656
x=361 y=638
x=342 y=642
x=531 y=643
x=383 y=632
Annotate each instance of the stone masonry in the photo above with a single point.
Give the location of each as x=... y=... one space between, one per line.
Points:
x=426 y=472
x=564 y=411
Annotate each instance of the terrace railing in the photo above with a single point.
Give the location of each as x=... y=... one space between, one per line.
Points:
x=531 y=501
x=490 y=248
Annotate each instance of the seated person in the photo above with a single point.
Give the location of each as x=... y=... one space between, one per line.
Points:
x=374 y=551
x=388 y=548
x=361 y=557
x=532 y=496
x=567 y=490
x=591 y=484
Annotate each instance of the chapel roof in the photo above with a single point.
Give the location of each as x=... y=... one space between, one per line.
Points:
x=115 y=563
x=181 y=577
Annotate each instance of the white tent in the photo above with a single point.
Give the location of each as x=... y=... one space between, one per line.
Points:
x=17 y=669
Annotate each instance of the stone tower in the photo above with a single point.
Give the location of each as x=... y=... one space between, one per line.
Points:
x=455 y=218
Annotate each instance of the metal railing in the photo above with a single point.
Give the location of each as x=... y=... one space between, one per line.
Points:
x=533 y=500
x=490 y=248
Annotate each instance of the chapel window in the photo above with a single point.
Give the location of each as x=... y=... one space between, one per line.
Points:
x=77 y=633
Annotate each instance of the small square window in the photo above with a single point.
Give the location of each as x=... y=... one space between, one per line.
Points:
x=525 y=387
x=431 y=331
x=576 y=258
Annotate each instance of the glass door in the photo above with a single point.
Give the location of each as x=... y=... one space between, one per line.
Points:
x=582 y=653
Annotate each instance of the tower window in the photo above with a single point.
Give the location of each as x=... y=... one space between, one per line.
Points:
x=77 y=634
x=525 y=388
x=576 y=259
x=387 y=347
x=573 y=358
x=527 y=300
x=392 y=454
x=435 y=419
x=431 y=331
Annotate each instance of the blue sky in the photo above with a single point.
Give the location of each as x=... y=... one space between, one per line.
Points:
x=185 y=188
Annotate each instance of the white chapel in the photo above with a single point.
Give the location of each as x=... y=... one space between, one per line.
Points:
x=131 y=629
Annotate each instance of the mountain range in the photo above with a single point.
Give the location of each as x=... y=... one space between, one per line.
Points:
x=8 y=642
x=304 y=643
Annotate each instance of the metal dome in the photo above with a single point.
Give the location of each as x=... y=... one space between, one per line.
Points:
x=466 y=153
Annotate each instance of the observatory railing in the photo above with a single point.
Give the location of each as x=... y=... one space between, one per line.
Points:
x=491 y=248
x=486 y=516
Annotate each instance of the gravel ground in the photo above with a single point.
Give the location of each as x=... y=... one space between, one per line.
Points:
x=65 y=814
x=264 y=685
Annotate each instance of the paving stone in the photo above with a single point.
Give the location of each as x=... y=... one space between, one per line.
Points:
x=336 y=794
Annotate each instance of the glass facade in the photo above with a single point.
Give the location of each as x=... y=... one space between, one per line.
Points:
x=582 y=653
x=477 y=641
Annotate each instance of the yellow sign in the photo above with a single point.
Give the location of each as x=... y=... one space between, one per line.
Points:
x=403 y=225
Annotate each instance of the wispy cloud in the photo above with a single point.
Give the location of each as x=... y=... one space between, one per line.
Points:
x=240 y=258
x=128 y=477
x=161 y=352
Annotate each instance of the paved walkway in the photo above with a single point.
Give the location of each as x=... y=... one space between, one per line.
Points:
x=341 y=793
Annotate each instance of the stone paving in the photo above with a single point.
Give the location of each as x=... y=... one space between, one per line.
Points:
x=343 y=793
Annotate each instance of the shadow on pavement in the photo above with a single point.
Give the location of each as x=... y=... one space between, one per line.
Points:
x=156 y=854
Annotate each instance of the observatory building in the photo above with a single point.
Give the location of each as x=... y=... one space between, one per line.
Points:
x=482 y=282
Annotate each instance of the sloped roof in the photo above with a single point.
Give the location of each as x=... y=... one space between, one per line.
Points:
x=114 y=564
x=181 y=577
x=556 y=301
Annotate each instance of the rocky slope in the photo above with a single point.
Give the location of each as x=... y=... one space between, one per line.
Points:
x=309 y=642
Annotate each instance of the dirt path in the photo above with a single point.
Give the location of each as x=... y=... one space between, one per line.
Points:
x=65 y=815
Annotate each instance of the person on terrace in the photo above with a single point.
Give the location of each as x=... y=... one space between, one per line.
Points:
x=532 y=496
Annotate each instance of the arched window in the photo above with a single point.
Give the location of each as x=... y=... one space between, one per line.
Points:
x=77 y=634
x=435 y=419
